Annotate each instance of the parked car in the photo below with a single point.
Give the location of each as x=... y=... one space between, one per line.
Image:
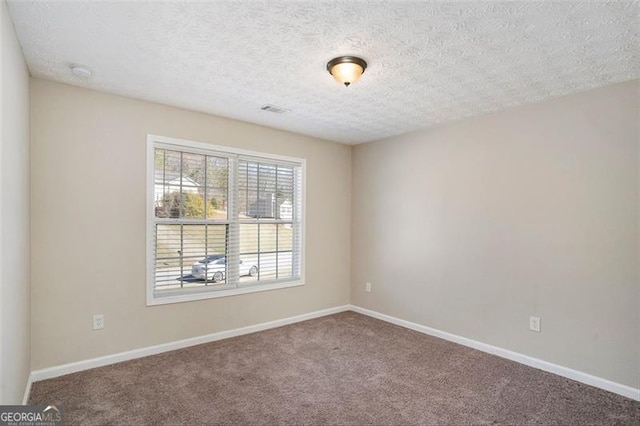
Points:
x=213 y=268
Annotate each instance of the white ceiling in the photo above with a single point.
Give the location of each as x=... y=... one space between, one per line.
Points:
x=429 y=62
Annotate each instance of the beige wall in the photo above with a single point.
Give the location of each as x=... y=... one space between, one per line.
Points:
x=14 y=217
x=469 y=228
x=474 y=226
x=88 y=221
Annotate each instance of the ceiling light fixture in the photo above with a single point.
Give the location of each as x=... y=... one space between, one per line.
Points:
x=346 y=69
x=80 y=71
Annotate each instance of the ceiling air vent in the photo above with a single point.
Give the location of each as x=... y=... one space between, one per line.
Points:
x=273 y=108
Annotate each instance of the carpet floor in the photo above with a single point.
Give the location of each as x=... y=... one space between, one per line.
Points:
x=340 y=369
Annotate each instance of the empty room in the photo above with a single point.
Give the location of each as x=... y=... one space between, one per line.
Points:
x=320 y=212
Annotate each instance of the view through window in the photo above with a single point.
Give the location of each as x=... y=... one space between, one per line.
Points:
x=222 y=221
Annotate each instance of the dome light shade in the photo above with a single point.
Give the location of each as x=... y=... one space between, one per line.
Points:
x=346 y=69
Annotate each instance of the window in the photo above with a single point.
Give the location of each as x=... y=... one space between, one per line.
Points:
x=221 y=221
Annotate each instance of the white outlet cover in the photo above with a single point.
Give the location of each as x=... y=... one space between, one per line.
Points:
x=534 y=324
x=98 y=322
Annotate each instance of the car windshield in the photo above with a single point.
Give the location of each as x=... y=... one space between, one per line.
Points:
x=212 y=258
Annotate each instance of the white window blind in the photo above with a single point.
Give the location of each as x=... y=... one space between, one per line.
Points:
x=221 y=221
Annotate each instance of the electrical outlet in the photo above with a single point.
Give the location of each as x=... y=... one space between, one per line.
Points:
x=98 y=322
x=367 y=287
x=534 y=324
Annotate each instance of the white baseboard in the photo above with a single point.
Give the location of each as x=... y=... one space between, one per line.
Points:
x=61 y=370
x=27 y=390
x=569 y=373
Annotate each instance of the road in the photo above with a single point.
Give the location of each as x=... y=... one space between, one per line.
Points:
x=169 y=278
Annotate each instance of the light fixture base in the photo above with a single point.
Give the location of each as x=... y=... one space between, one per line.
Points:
x=346 y=69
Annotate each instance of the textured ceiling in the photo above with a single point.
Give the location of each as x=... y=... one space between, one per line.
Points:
x=429 y=62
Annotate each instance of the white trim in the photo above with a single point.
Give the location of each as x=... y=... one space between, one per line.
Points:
x=302 y=220
x=579 y=376
x=61 y=370
x=202 y=294
x=27 y=390
x=598 y=382
x=149 y=219
x=177 y=144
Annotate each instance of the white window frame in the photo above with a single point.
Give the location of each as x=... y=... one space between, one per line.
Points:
x=154 y=141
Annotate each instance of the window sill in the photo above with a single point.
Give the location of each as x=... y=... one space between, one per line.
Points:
x=179 y=296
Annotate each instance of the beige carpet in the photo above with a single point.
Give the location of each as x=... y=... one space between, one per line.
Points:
x=341 y=369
